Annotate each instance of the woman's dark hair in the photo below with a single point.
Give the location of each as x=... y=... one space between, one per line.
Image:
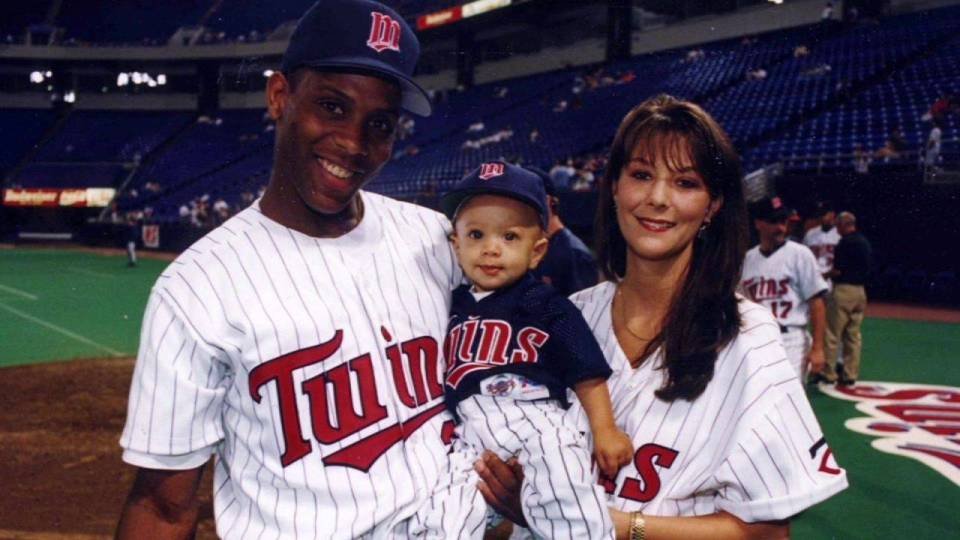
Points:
x=703 y=314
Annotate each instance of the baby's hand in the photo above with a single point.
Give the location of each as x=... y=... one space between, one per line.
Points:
x=613 y=450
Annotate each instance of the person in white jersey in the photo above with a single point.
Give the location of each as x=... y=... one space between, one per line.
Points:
x=727 y=445
x=784 y=276
x=823 y=239
x=299 y=342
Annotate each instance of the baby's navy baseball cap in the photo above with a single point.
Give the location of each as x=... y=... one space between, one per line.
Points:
x=359 y=34
x=498 y=178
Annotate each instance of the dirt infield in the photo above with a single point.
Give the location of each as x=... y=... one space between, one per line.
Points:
x=59 y=459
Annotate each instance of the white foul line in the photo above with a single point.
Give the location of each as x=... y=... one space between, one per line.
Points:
x=17 y=292
x=56 y=328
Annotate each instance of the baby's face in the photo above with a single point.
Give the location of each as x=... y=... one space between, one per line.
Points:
x=497 y=240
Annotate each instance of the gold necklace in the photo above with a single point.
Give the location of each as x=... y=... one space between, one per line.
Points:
x=623 y=317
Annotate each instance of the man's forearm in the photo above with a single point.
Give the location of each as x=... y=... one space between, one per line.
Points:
x=818 y=321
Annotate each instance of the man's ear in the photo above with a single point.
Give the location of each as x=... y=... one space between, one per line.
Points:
x=539 y=252
x=278 y=94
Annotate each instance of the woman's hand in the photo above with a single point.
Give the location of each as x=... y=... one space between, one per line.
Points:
x=500 y=485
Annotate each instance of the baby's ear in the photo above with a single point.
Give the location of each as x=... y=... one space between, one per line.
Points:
x=539 y=251
x=452 y=237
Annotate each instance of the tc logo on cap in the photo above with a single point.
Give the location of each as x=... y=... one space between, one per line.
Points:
x=384 y=33
x=490 y=170
x=776 y=203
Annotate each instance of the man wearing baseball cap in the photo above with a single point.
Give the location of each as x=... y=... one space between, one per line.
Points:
x=784 y=276
x=299 y=342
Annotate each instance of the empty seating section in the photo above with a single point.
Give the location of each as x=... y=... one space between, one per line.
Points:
x=20 y=130
x=111 y=135
x=207 y=146
x=70 y=175
x=127 y=21
x=122 y=22
x=853 y=87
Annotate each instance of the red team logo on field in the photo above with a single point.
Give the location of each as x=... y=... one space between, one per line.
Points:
x=490 y=170
x=384 y=33
x=918 y=421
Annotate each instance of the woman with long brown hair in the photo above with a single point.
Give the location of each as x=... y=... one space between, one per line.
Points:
x=727 y=445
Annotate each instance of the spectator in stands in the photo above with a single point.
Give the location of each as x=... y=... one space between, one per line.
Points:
x=945 y=104
x=861 y=160
x=931 y=156
x=851 y=270
x=501 y=92
x=818 y=71
x=894 y=146
x=695 y=55
x=568 y=265
x=758 y=74
x=800 y=51
x=534 y=135
x=827 y=13
x=561 y=106
x=562 y=173
x=476 y=127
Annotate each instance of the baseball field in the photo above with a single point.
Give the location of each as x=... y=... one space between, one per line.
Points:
x=69 y=327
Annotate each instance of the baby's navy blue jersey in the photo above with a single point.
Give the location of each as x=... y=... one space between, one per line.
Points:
x=528 y=329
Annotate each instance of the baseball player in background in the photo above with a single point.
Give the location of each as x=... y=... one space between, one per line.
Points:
x=299 y=342
x=784 y=276
x=514 y=346
x=568 y=266
x=727 y=445
x=822 y=239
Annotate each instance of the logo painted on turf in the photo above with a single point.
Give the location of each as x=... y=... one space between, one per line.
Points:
x=384 y=33
x=919 y=421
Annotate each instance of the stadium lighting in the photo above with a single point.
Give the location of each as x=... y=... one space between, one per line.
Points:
x=152 y=83
x=123 y=79
x=777 y=2
x=49 y=74
x=36 y=77
x=70 y=96
x=267 y=72
x=137 y=77
x=161 y=79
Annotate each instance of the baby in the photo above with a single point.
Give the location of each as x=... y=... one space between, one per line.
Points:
x=513 y=348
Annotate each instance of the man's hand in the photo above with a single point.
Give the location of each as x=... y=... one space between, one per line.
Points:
x=500 y=485
x=613 y=450
x=816 y=360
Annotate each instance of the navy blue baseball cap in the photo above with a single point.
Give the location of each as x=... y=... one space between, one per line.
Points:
x=498 y=178
x=771 y=209
x=359 y=34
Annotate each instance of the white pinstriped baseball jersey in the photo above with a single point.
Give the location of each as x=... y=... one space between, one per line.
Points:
x=310 y=367
x=783 y=281
x=749 y=445
x=822 y=244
